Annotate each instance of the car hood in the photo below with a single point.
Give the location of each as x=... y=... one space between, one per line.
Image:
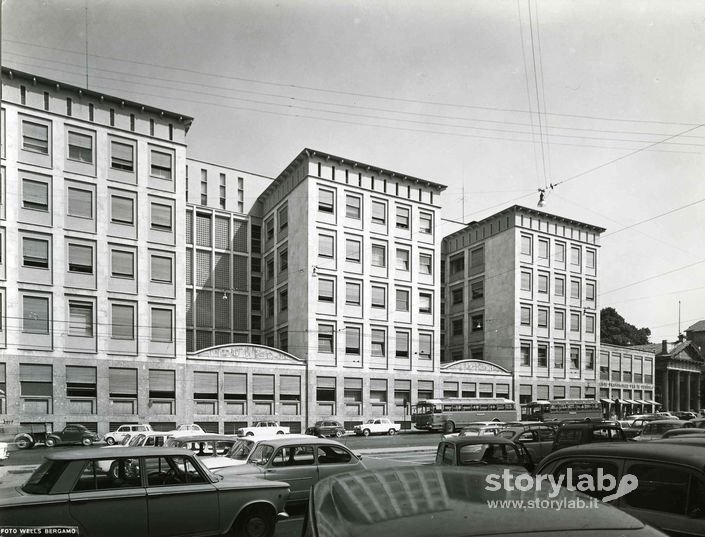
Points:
x=241 y=470
x=213 y=463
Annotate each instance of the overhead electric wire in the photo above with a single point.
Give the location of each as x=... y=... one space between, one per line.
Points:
x=653 y=277
x=538 y=99
x=654 y=217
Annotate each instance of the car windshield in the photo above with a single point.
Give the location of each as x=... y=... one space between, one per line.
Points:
x=126 y=440
x=241 y=450
x=261 y=454
x=137 y=440
x=471 y=431
x=506 y=434
x=44 y=477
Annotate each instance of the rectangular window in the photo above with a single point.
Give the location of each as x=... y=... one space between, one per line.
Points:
x=525 y=351
x=80 y=203
x=425 y=222
x=526 y=316
x=379 y=255
x=161 y=217
x=352 y=293
x=542 y=320
x=526 y=281
x=590 y=324
x=477 y=289
x=560 y=286
x=122 y=210
x=352 y=206
x=575 y=322
x=326 y=200
x=560 y=252
x=161 y=325
x=543 y=249
x=122 y=264
x=352 y=340
x=590 y=291
x=379 y=343
x=526 y=244
x=326 y=342
x=35 y=195
x=402 y=300
x=80 y=319
x=402 y=350
x=477 y=323
x=456 y=327
x=543 y=283
x=326 y=290
x=560 y=320
x=283 y=260
x=575 y=289
x=477 y=258
x=161 y=269
x=425 y=264
x=123 y=322
x=283 y=300
x=425 y=347
x=590 y=358
x=590 y=259
x=402 y=259
x=425 y=301
x=269 y=228
x=122 y=156
x=559 y=357
x=575 y=256
x=352 y=250
x=379 y=297
x=35 y=315
x=80 y=258
x=542 y=355
x=160 y=165
x=403 y=217
x=379 y=212
x=457 y=296
x=283 y=217
x=575 y=357
x=326 y=246
x=35 y=253
x=80 y=147
x=35 y=137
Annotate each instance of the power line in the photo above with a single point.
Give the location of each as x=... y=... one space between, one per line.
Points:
x=653 y=277
x=654 y=218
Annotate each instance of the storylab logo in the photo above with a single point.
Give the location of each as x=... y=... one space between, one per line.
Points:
x=602 y=483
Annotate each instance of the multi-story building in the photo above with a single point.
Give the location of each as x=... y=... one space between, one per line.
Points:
x=626 y=383
x=521 y=292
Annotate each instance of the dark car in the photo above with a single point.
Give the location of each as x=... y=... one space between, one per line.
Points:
x=483 y=450
x=154 y=492
x=72 y=434
x=573 y=434
x=327 y=428
x=637 y=425
x=669 y=489
x=685 y=415
x=433 y=501
x=537 y=439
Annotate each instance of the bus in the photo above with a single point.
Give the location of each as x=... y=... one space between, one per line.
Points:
x=564 y=409
x=451 y=413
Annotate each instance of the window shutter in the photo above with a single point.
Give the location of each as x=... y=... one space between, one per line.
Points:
x=80 y=319
x=37 y=249
x=378 y=385
x=161 y=215
x=80 y=140
x=542 y=392
x=352 y=338
x=325 y=382
x=263 y=384
x=289 y=385
x=80 y=375
x=378 y=295
x=161 y=380
x=352 y=250
x=352 y=384
x=80 y=255
x=35 y=373
x=122 y=209
x=33 y=130
x=122 y=381
x=161 y=268
x=80 y=203
x=205 y=382
x=378 y=210
x=402 y=385
x=161 y=325
x=122 y=155
x=123 y=321
x=235 y=383
x=35 y=192
x=35 y=313
x=425 y=386
x=123 y=263
x=325 y=245
x=352 y=293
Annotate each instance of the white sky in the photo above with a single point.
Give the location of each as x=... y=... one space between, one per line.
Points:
x=443 y=90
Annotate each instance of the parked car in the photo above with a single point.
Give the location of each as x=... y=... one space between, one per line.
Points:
x=149 y=439
x=117 y=436
x=573 y=434
x=670 y=494
x=685 y=415
x=698 y=423
x=484 y=450
x=655 y=429
x=327 y=428
x=537 y=439
x=433 y=501
x=205 y=445
x=479 y=429
x=301 y=462
x=155 y=493
x=377 y=426
x=29 y=435
x=186 y=428
x=262 y=428
x=690 y=432
x=241 y=450
x=71 y=434
x=637 y=425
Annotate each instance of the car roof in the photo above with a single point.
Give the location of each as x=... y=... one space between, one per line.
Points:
x=202 y=437
x=111 y=453
x=677 y=450
x=282 y=440
x=477 y=440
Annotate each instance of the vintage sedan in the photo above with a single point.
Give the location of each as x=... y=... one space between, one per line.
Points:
x=431 y=501
x=483 y=450
x=327 y=428
x=301 y=462
x=156 y=493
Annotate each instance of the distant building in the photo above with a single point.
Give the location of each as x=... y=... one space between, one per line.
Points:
x=626 y=381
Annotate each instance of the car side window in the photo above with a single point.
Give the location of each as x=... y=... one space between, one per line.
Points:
x=168 y=471
x=661 y=488
x=333 y=455
x=107 y=474
x=546 y=434
x=526 y=437
x=293 y=456
x=589 y=468
x=446 y=455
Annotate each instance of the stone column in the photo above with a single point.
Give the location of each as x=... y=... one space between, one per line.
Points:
x=677 y=391
x=666 y=403
x=689 y=402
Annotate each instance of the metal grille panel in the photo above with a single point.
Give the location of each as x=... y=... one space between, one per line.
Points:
x=203 y=230
x=203 y=269
x=222 y=271
x=222 y=233
x=204 y=309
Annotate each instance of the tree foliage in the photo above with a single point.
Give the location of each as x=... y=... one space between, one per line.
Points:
x=615 y=330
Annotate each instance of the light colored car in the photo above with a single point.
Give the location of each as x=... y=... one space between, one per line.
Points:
x=262 y=428
x=4 y=451
x=437 y=501
x=241 y=450
x=489 y=450
x=117 y=436
x=205 y=446
x=301 y=462
x=149 y=439
x=478 y=429
x=656 y=429
x=377 y=426
x=164 y=492
x=187 y=428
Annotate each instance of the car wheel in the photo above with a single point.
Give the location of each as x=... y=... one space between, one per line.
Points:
x=280 y=432
x=449 y=427
x=50 y=442
x=255 y=522
x=87 y=442
x=110 y=441
x=114 y=471
x=366 y=432
x=391 y=432
x=250 y=434
x=338 y=433
x=23 y=443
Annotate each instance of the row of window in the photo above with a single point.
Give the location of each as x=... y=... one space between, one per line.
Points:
x=477 y=291
x=542 y=319
x=81 y=319
x=541 y=393
x=619 y=367
x=81 y=147
x=559 y=284
x=222 y=190
x=587 y=360
x=81 y=259
x=543 y=252
x=377 y=344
